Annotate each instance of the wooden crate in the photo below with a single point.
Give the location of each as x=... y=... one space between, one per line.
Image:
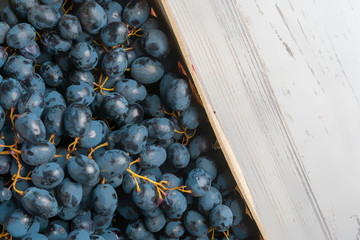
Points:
x=162 y=11
x=279 y=80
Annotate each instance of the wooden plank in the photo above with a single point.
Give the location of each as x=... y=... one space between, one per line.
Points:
x=280 y=83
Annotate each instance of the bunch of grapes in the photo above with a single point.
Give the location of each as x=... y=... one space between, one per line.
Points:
x=102 y=135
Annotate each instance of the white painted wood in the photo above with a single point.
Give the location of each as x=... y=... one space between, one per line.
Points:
x=281 y=84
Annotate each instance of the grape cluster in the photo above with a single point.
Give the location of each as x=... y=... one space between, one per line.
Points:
x=102 y=135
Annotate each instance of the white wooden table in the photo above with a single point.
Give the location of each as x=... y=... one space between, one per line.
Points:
x=281 y=79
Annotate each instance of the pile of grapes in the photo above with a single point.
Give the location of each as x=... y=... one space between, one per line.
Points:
x=101 y=136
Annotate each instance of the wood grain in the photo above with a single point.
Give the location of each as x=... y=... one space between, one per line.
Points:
x=280 y=80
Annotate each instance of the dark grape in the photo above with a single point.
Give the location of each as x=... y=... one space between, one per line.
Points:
x=21 y=223
x=199 y=182
x=39 y=202
x=195 y=223
x=43 y=17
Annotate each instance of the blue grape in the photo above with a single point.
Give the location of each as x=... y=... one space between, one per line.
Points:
x=6 y=209
x=113 y=163
x=104 y=199
x=77 y=120
x=69 y=193
x=31 y=51
x=21 y=223
x=83 y=56
x=44 y=223
x=199 y=182
x=114 y=62
x=47 y=175
x=174 y=204
x=51 y=99
x=133 y=91
x=178 y=95
x=43 y=17
x=85 y=37
x=155 y=172
x=199 y=145
x=96 y=134
x=116 y=107
x=156 y=43
x=210 y=200
x=152 y=156
x=20 y=35
x=112 y=234
x=115 y=181
x=127 y=209
x=83 y=222
x=131 y=56
x=135 y=114
x=114 y=33
x=37 y=152
x=152 y=213
x=225 y=183
x=113 y=11
x=31 y=101
x=160 y=128
x=83 y=170
x=30 y=127
x=208 y=165
x=134 y=139
x=178 y=155
x=128 y=184
x=190 y=118
x=150 y=23
x=78 y=235
x=4 y=29
x=82 y=76
x=174 y=229
x=39 y=202
x=55 y=3
x=195 y=224
x=5 y=162
x=172 y=180
x=52 y=74
x=55 y=232
x=153 y=106
x=136 y=230
x=68 y=213
x=136 y=12
x=53 y=120
x=102 y=222
x=5 y=195
x=221 y=218
x=242 y=230
x=146 y=198
x=7 y=14
x=92 y=17
x=53 y=43
x=21 y=7
x=237 y=206
x=81 y=93
x=10 y=93
x=19 y=67
x=155 y=224
x=69 y=27
x=35 y=236
x=165 y=143
x=146 y=70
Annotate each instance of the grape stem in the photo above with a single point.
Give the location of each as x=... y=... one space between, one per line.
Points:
x=159 y=185
x=52 y=138
x=72 y=148
x=100 y=86
x=92 y=150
